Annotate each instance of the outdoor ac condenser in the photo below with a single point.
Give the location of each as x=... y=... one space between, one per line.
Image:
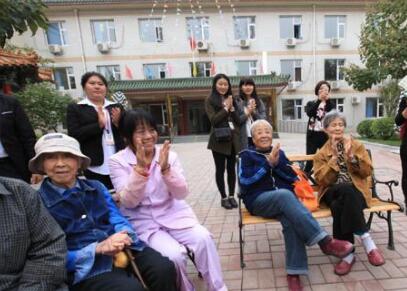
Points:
x=103 y=47
x=202 y=45
x=291 y=42
x=335 y=42
x=55 y=49
x=244 y=43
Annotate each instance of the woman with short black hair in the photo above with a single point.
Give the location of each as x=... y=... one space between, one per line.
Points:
x=252 y=107
x=316 y=110
x=224 y=138
x=94 y=122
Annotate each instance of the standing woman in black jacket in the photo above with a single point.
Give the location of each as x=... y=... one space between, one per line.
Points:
x=224 y=140
x=252 y=107
x=94 y=122
x=316 y=110
x=400 y=119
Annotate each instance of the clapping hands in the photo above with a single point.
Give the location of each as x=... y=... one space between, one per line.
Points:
x=274 y=156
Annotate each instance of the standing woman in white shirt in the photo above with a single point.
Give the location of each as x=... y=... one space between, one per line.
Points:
x=252 y=107
x=94 y=122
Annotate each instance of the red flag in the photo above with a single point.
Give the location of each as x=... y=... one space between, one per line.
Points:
x=213 y=69
x=128 y=73
x=192 y=42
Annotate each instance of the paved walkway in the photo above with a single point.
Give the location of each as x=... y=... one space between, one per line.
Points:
x=264 y=249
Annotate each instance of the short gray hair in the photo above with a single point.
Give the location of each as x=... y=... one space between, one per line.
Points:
x=259 y=122
x=331 y=116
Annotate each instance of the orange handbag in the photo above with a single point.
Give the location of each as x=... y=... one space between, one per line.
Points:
x=304 y=191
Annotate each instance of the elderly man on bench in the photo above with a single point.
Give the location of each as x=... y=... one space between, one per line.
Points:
x=265 y=179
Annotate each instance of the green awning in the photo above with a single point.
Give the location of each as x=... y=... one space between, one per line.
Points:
x=271 y=80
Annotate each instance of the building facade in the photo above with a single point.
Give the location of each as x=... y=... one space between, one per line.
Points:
x=132 y=41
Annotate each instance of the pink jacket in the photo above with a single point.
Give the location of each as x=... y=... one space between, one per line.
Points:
x=153 y=201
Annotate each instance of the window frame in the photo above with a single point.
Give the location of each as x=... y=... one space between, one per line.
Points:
x=156 y=24
x=293 y=24
x=161 y=68
x=204 y=67
x=339 y=104
x=252 y=67
x=294 y=66
x=297 y=109
x=250 y=25
x=203 y=27
x=338 y=24
x=70 y=78
x=62 y=33
x=116 y=71
x=379 y=107
x=338 y=74
x=109 y=28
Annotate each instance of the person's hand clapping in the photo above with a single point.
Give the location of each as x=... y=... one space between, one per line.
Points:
x=163 y=157
x=101 y=117
x=141 y=157
x=274 y=156
x=116 y=114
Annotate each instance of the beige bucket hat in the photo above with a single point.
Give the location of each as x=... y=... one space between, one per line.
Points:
x=53 y=143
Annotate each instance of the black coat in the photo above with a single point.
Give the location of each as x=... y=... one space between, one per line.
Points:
x=83 y=125
x=16 y=134
x=399 y=120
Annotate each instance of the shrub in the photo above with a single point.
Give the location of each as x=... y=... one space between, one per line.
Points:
x=364 y=128
x=383 y=128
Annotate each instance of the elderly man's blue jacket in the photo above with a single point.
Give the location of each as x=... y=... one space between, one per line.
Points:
x=88 y=215
x=256 y=175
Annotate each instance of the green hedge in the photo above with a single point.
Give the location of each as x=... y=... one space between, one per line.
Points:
x=383 y=128
x=364 y=128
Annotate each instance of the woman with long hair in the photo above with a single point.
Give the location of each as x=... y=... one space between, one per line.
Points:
x=224 y=139
x=252 y=107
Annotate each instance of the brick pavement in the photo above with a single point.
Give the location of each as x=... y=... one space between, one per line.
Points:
x=264 y=248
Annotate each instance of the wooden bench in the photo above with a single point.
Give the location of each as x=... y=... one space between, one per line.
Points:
x=382 y=208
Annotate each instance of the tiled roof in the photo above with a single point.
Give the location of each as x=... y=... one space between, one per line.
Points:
x=271 y=80
x=18 y=59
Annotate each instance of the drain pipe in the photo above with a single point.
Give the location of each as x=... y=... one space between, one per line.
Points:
x=313 y=43
x=78 y=24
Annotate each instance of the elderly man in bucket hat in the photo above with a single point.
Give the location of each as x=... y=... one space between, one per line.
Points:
x=95 y=230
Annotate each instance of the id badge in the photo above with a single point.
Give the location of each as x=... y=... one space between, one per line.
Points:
x=232 y=127
x=109 y=138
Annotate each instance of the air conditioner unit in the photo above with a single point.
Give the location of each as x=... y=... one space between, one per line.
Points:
x=355 y=100
x=244 y=43
x=103 y=47
x=335 y=85
x=202 y=45
x=55 y=49
x=291 y=42
x=335 y=42
x=292 y=86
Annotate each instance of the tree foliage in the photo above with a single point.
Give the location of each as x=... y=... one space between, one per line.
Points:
x=20 y=16
x=390 y=95
x=383 y=44
x=44 y=105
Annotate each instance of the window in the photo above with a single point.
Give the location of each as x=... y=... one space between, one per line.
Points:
x=202 y=69
x=198 y=28
x=292 y=109
x=335 y=26
x=292 y=68
x=290 y=27
x=333 y=69
x=64 y=78
x=110 y=72
x=56 y=33
x=246 y=68
x=151 y=30
x=338 y=103
x=103 y=31
x=245 y=27
x=374 y=107
x=154 y=71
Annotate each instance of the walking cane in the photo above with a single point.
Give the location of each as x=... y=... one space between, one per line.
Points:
x=135 y=268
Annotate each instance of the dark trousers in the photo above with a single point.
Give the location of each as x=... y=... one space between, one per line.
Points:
x=157 y=271
x=346 y=203
x=220 y=161
x=8 y=169
x=314 y=141
x=403 y=157
x=104 y=179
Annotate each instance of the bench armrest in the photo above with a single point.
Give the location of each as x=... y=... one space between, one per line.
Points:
x=390 y=185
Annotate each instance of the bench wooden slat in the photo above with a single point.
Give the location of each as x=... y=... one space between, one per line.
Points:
x=323 y=212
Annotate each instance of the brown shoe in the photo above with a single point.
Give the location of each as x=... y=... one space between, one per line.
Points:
x=294 y=283
x=375 y=257
x=342 y=268
x=337 y=248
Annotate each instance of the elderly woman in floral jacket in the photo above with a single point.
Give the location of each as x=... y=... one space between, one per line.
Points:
x=342 y=168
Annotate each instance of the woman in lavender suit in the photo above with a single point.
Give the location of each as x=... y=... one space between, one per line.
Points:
x=151 y=187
